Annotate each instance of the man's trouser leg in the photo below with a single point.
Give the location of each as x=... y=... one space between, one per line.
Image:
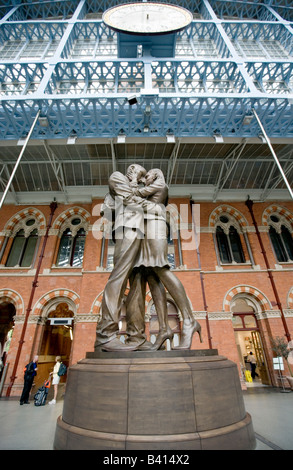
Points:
x=126 y=250
x=135 y=309
x=26 y=390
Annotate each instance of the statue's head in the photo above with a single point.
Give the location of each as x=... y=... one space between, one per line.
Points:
x=135 y=172
x=153 y=175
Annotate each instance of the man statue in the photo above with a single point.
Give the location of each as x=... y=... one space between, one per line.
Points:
x=128 y=232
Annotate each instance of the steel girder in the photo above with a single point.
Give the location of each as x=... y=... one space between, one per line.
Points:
x=188 y=96
x=206 y=116
x=214 y=81
x=30 y=9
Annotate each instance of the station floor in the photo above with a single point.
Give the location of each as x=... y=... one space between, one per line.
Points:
x=28 y=427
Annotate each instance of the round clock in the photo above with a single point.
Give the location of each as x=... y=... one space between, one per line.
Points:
x=147 y=18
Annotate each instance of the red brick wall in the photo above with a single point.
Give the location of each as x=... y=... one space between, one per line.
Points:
x=87 y=283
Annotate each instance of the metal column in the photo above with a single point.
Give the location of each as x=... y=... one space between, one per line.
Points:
x=19 y=159
x=273 y=153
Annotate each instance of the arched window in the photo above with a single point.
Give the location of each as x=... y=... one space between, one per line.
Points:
x=71 y=247
x=110 y=254
x=171 y=250
x=281 y=238
x=107 y=245
x=23 y=248
x=174 y=255
x=228 y=241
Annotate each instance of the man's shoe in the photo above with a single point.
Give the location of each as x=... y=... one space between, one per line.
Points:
x=146 y=346
x=116 y=345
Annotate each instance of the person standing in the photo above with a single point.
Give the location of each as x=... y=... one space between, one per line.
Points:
x=56 y=379
x=29 y=375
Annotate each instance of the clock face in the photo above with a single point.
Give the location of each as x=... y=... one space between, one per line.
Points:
x=147 y=18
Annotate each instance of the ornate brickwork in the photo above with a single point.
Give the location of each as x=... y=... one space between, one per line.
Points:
x=225 y=208
x=21 y=216
x=62 y=293
x=67 y=214
x=275 y=209
x=9 y=295
x=244 y=289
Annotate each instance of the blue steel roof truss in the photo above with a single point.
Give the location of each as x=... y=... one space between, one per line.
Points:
x=234 y=56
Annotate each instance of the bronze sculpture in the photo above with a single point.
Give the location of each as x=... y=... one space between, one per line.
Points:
x=140 y=256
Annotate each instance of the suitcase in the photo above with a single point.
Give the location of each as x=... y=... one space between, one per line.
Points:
x=41 y=395
x=248 y=377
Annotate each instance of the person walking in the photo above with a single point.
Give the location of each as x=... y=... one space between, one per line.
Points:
x=252 y=360
x=29 y=375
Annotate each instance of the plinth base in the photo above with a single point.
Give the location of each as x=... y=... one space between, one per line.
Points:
x=187 y=400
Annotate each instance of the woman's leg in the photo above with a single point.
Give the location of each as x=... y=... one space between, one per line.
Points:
x=160 y=300
x=177 y=291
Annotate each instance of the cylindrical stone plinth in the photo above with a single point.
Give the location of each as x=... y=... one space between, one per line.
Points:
x=156 y=401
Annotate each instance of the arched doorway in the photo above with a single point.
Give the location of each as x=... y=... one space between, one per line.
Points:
x=7 y=313
x=56 y=339
x=248 y=339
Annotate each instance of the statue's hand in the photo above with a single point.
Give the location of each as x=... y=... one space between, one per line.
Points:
x=152 y=208
x=136 y=199
x=133 y=183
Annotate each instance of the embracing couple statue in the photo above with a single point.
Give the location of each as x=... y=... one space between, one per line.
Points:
x=140 y=257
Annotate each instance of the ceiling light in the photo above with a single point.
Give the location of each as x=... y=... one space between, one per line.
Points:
x=121 y=139
x=71 y=140
x=247 y=119
x=132 y=100
x=218 y=138
x=170 y=138
x=43 y=121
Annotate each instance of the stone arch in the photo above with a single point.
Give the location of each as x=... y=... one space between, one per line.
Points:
x=276 y=209
x=58 y=294
x=250 y=291
x=226 y=209
x=11 y=296
x=97 y=303
x=23 y=214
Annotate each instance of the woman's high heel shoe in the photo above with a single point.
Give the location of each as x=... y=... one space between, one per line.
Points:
x=161 y=338
x=188 y=329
